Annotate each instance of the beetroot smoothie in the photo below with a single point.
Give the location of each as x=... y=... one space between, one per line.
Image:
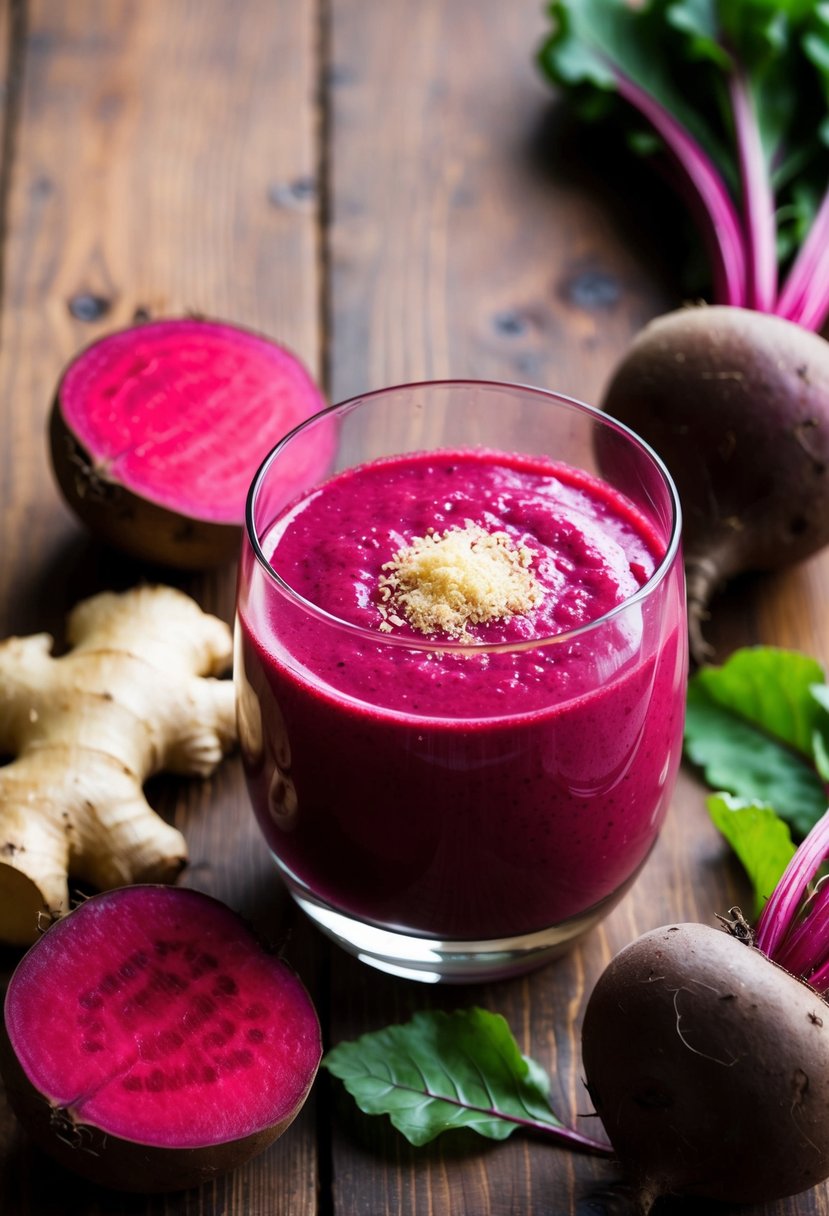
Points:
x=502 y=772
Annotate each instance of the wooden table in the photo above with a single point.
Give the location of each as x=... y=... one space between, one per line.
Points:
x=391 y=190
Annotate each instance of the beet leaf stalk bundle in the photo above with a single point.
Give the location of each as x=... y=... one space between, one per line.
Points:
x=731 y=97
x=737 y=92
x=793 y=928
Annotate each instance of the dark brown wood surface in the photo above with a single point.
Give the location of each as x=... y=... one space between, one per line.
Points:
x=391 y=190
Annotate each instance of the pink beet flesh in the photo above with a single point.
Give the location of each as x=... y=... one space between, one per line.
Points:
x=153 y=1014
x=183 y=411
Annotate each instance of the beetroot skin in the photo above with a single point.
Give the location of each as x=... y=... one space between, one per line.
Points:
x=150 y=1043
x=157 y=430
x=736 y=403
x=709 y=1067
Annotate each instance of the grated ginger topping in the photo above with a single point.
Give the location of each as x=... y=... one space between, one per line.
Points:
x=445 y=582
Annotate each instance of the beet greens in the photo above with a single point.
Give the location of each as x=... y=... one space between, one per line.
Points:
x=757 y=729
x=444 y=1071
x=694 y=1042
x=736 y=93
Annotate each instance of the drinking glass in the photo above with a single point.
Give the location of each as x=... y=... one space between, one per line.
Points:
x=451 y=810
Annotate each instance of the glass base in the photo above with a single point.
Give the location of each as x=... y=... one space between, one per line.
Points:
x=452 y=962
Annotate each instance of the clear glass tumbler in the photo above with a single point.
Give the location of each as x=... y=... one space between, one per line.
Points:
x=459 y=806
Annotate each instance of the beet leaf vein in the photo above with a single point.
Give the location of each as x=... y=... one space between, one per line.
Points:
x=451 y=1070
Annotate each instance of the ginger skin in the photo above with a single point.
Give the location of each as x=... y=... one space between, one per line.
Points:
x=86 y=730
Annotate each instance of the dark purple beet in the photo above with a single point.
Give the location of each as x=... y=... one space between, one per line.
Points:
x=736 y=403
x=151 y=1044
x=709 y=1067
x=157 y=430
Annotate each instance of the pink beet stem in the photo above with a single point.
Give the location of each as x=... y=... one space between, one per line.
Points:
x=723 y=226
x=779 y=915
x=797 y=953
x=804 y=298
x=819 y=978
x=758 y=198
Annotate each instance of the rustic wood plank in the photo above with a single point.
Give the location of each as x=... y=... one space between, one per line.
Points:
x=153 y=177
x=468 y=236
x=474 y=232
x=793 y=608
x=12 y=42
x=165 y=162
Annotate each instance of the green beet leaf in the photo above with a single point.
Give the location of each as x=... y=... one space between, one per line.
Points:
x=596 y=44
x=737 y=92
x=770 y=688
x=760 y=839
x=450 y=1070
x=753 y=726
x=820 y=742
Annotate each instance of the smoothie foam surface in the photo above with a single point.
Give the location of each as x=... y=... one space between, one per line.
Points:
x=590 y=550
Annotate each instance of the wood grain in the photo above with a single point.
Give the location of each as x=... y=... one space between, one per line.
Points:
x=152 y=170
x=472 y=234
x=392 y=190
x=468 y=238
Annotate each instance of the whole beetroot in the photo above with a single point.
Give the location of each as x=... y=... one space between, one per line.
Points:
x=709 y=1067
x=706 y=1052
x=736 y=403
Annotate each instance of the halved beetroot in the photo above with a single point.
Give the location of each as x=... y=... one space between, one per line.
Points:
x=156 y=432
x=151 y=1043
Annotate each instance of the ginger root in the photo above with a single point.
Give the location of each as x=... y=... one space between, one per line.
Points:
x=86 y=730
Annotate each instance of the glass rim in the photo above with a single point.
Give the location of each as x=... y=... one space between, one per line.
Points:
x=428 y=645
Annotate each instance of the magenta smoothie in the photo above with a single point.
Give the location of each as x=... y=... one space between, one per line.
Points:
x=439 y=746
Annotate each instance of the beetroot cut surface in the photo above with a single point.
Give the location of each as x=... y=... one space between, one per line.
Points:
x=151 y=1043
x=157 y=430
